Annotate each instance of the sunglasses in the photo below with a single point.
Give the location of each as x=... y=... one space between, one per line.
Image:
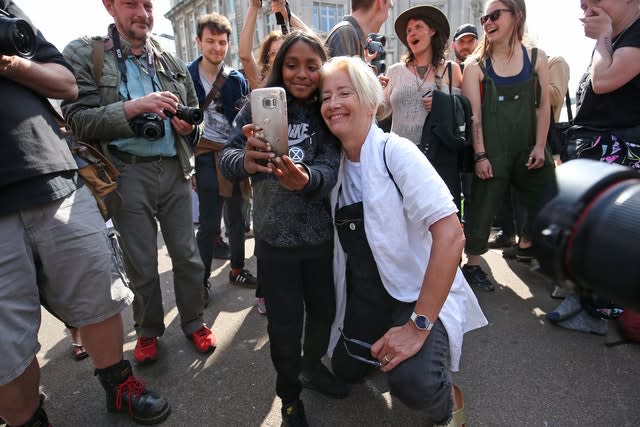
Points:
x=362 y=344
x=493 y=16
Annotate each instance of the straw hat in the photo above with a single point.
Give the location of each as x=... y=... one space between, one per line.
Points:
x=432 y=13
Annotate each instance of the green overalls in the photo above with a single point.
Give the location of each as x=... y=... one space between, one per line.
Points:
x=509 y=130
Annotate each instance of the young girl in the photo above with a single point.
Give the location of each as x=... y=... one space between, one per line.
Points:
x=292 y=224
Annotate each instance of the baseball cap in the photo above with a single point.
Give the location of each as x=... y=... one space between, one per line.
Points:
x=465 y=30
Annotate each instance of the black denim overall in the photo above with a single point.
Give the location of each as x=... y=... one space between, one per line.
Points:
x=422 y=381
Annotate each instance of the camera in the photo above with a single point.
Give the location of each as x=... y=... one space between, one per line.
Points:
x=151 y=126
x=16 y=36
x=586 y=237
x=148 y=125
x=192 y=115
x=376 y=46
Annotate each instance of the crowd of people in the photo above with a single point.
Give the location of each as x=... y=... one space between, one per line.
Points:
x=333 y=278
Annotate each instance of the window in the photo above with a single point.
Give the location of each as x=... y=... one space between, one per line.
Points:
x=326 y=16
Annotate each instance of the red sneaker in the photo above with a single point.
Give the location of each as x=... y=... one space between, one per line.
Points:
x=146 y=350
x=203 y=339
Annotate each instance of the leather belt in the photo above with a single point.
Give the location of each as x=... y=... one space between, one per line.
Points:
x=132 y=159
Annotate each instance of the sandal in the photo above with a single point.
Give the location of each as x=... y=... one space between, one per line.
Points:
x=458 y=418
x=78 y=351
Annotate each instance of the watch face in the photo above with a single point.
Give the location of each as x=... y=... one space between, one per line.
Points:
x=422 y=322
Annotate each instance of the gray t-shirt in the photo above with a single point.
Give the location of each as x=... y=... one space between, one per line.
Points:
x=216 y=125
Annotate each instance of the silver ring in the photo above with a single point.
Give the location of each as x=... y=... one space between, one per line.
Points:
x=386 y=359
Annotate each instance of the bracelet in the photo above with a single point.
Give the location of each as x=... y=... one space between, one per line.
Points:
x=477 y=157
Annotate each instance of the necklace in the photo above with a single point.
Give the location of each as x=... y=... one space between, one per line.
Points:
x=421 y=75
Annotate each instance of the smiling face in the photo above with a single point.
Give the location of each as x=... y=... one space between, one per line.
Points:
x=214 y=47
x=502 y=21
x=133 y=19
x=419 y=35
x=341 y=108
x=301 y=70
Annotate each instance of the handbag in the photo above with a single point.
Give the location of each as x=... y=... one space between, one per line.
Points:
x=557 y=135
x=97 y=171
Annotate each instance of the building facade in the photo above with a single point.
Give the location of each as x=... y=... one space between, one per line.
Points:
x=320 y=15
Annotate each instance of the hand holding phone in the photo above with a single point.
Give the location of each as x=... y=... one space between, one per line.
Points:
x=257 y=152
x=269 y=112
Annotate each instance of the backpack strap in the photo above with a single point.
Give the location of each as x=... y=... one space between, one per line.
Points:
x=221 y=78
x=384 y=158
x=98 y=46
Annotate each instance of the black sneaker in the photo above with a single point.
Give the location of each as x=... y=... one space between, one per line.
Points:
x=477 y=278
x=322 y=380
x=510 y=252
x=516 y=252
x=244 y=278
x=221 y=250
x=525 y=254
x=293 y=414
x=502 y=240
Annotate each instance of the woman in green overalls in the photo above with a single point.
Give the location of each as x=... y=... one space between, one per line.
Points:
x=507 y=84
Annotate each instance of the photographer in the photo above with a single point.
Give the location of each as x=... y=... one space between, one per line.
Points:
x=52 y=239
x=141 y=87
x=350 y=36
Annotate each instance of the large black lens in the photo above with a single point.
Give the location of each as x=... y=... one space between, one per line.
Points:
x=16 y=37
x=589 y=233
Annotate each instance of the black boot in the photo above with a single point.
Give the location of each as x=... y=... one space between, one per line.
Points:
x=39 y=419
x=293 y=414
x=126 y=393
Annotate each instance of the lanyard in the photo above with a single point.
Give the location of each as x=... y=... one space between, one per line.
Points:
x=149 y=69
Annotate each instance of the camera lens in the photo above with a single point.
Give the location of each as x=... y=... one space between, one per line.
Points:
x=588 y=232
x=17 y=37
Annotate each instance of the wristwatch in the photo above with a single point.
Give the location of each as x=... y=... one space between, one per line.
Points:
x=421 y=321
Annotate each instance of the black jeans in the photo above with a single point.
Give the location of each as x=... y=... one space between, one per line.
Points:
x=235 y=206
x=295 y=282
x=420 y=382
x=210 y=207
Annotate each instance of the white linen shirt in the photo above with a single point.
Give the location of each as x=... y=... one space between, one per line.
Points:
x=397 y=230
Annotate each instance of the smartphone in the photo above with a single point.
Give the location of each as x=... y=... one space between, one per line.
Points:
x=269 y=111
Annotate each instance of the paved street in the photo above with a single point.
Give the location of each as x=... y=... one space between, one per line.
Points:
x=518 y=371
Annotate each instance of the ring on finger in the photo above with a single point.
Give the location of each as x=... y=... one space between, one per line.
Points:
x=386 y=359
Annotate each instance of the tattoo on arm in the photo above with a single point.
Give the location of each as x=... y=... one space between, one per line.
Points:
x=608 y=45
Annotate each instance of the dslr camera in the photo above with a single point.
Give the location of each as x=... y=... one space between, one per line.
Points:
x=16 y=36
x=150 y=125
x=376 y=46
x=192 y=115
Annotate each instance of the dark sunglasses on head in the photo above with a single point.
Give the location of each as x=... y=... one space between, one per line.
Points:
x=493 y=16
x=362 y=344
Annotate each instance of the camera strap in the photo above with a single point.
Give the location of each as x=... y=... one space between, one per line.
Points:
x=149 y=68
x=215 y=88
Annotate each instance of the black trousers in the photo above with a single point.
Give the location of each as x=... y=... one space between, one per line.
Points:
x=421 y=382
x=295 y=282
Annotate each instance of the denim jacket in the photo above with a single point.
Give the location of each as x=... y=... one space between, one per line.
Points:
x=97 y=115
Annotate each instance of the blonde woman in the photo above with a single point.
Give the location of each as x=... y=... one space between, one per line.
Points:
x=507 y=84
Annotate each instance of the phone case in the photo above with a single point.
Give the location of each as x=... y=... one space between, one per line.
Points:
x=269 y=111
